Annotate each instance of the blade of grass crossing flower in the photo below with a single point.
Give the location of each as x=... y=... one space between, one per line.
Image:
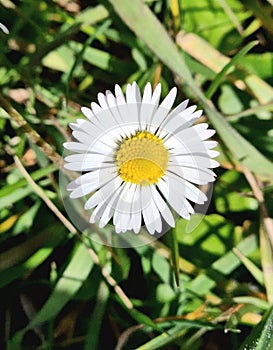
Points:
x=252 y=268
x=261 y=336
x=174 y=255
x=219 y=77
x=143 y=22
x=267 y=263
x=67 y=286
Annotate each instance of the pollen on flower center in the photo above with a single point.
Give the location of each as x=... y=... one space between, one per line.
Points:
x=142 y=158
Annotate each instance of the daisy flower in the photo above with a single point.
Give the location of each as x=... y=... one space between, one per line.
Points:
x=140 y=160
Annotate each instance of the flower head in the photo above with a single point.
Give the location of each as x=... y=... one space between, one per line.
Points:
x=140 y=160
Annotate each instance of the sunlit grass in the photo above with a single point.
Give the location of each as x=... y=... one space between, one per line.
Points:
x=61 y=289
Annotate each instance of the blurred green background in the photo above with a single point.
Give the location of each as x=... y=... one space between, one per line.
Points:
x=61 y=290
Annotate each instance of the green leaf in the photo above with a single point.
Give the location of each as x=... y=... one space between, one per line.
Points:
x=143 y=22
x=229 y=262
x=92 y=15
x=201 y=285
x=60 y=59
x=161 y=267
x=164 y=293
x=261 y=336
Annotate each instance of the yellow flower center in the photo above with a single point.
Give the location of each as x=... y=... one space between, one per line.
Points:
x=142 y=159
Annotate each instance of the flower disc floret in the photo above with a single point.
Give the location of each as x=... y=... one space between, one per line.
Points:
x=142 y=159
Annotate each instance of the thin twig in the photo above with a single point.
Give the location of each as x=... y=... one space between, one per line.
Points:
x=267 y=221
x=31 y=133
x=43 y=196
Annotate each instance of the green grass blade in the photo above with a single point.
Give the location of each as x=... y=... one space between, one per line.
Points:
x=67 y=286
x=252 y=268
x=143 y=22
x=218 y=79
x=93 y=333
x=267 y=263
x=79 y=57
x=174 y=254
x=48 y=244
x=171 y=335
x=261 y=336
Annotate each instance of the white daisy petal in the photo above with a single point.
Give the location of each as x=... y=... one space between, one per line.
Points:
x=95 y=183
x=193 y=161
x=190 y=191
x=123 y=205
x=136 y=92
x=136 y=210
x=141 y=160
x=130 y=96
x=174 y=196
x=147 y=209
x=163 y=109
x=156 y=95
x=76 y=146
x=88 y=113
x=102 y=101
x=72 y=186
x=197 y=176
x=200 y=127
x=181 y=121
x=97 y=213
x=112 y=103
x=87 y=158
x=100 y=175
x=175 y=113
x=213 y=153
x=110 y=207
x=206 y=134
x=103 y=194
x=163 y=207
x=147 y=94
x=96 y=108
